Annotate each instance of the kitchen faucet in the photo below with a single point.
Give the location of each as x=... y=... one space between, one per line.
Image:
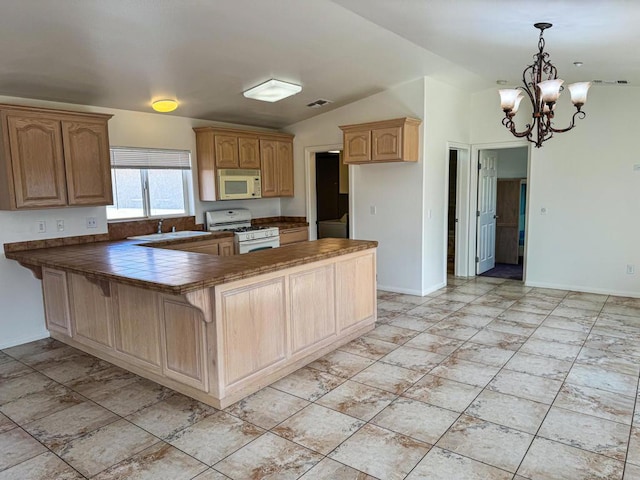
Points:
x=160 y=225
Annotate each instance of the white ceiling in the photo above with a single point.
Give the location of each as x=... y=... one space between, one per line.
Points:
x=125 y=53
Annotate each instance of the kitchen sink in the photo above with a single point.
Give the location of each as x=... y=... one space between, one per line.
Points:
x=159 y=237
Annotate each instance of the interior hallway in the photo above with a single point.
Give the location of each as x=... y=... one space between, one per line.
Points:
x=484 y=379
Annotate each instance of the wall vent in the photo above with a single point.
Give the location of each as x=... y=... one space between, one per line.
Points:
x=321 y=102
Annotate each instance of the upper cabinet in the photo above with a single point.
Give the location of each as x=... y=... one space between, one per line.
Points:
x=277 y=168
x=52 y=158
x=223 y=148
x=395 y=140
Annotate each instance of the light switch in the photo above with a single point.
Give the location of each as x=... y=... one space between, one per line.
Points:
x=372 y=209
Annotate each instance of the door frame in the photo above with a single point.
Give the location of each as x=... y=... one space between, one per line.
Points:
x=473 y=201
x=460 y=268
x=310 y=181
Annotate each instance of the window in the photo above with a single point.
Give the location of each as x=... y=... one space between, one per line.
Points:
x=149 y=183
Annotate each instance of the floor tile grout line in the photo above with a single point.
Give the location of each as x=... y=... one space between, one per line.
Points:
x=636 y=405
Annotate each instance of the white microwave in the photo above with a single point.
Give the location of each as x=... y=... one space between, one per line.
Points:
x=234 y=184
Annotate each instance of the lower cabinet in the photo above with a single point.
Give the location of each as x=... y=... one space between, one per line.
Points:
x=293 y=235
x=222 y=343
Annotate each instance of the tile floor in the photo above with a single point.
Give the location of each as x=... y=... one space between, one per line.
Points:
x=483 y=380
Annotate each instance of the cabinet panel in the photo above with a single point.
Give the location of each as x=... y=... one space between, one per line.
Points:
x=37 y=159
x=137 y=333
x=355 y=296
x=357 y=147
x=225 y=249
x=205 y=156
x=56 y=301
x=253 y=328
x=293 y=235
x=387 y=144
x=92 y=318
x=268 y=161
x=88 y=171
x=249 y=152
x=285 y=169
x=184 y=343
x=226 y=151
x=312 y=325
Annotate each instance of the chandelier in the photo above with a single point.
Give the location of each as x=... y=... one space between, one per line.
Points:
x=543 y=87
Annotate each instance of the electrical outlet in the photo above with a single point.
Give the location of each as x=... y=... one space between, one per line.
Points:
x=92 y=222
x=41 y=226
x=631 y=269
x=60 y=225
x=543 y=211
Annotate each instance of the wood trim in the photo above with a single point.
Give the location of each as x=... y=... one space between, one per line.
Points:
x=53 y=111
x=394 y=122
x=245 y=133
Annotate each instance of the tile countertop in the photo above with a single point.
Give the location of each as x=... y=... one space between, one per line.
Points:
x=133 y=263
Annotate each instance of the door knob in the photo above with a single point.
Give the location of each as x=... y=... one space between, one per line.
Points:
x=496 y=217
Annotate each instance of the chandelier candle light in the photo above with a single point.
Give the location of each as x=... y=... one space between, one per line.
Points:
x=542 y=86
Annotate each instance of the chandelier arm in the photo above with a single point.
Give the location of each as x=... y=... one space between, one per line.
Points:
x=511 y=126
x=579 y=114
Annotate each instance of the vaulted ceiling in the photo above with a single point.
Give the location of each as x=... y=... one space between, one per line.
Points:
x=126 y=53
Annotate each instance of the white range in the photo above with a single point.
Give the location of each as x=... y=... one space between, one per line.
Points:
x=248 y=238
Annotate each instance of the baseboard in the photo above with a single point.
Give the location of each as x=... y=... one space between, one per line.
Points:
x=408 y=291
x=577 y=288
x=19 y=341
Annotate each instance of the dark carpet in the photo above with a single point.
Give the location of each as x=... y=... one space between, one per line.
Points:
x=504 y=270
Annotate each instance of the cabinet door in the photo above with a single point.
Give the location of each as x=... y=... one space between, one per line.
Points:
x=310 y=326
x=252 y=322
x=269 y=165
x=387 y=144
x=293 y=235
x=285 y=169
x=88 y=169
x=183 y=343
x=226 y=151
x=37 y=161
x=137 y=329
x=357 y=147
x=226 y=249
x=249 y=152
x=92 y=319
x=56 y=301
x=355 y=287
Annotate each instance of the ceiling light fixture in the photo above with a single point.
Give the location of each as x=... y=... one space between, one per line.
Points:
x=164 y=106
x=272 y=90
x=542 y=86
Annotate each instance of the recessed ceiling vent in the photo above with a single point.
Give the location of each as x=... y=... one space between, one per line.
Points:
x=610 y=82
x=321 y=102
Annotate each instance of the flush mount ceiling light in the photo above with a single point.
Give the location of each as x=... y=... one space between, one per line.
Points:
x=272 y=90
x=165 y=105
x=542 y=86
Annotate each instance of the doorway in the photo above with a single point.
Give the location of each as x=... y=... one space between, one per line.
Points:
x=332 y=195
x=501 y=212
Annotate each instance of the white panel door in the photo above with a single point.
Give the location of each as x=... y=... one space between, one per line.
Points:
x=487 y=184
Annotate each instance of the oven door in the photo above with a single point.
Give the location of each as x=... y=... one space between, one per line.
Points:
x=258 y=244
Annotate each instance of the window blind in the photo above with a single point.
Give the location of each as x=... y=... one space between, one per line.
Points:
x=150 y=159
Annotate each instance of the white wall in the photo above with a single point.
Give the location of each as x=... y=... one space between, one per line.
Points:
x=585 y=180
x=21 y=311
x=512 y=162
x=394 y=189
x=446 y=120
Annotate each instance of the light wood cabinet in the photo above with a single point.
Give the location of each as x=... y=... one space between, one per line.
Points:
x=395 y=140
x=137 y=329
x=51 y=158
x=56 y=301
x=277 y=168
x=91 y=311
x=271 y=153
x=214 y=246
x=355 y=295
x=293 y=235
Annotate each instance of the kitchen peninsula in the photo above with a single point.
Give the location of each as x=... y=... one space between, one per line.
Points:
x=216 y=328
